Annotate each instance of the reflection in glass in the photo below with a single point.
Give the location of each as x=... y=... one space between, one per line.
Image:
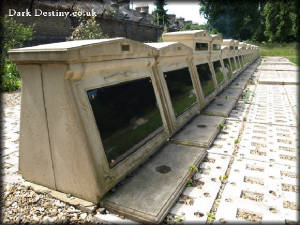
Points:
x=126 y=116
x=237 y=62
x=241 y=60
x=205 y=78
x=201 y=46
x=218 y=71
x=228 y=70
x=216 y=47
x=181 y=90
x=232 y=64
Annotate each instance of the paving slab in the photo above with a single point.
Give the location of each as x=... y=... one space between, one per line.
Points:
x=149 y=200
x=200 y=131
x=279 y=77
x=270 y=105
x=253 y=193
x=289 y=77
x=231 y=93
x=225 y=141
x=269 y=143
x=197 y=199
x=275 y=66
x=220 y=107
x=239 y=112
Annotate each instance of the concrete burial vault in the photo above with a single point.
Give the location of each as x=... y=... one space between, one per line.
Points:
x=93 y=111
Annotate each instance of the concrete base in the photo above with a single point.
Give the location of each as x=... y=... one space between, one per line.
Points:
x=220 y=107
x=149 y=194
x=237 y=83
x=200 y=132
x=231 y=93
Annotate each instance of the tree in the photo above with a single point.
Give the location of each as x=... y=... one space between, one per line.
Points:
x=234 y=19
x=14 y=35
x=160 y=16
x=206 y=27
x=87 y=29
x=281 y=21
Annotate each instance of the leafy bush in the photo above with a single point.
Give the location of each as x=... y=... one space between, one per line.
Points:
x=87 y=29
x=11 y=79
x=14 y=36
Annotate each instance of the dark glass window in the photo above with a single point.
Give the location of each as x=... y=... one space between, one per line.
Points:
x=231 y=48
x=126 y=115
x=218 y=71
x=216 y=47
x=236 y=48
x=237 y=62
x=227 y=68
x=181 y=90
x=241 y=60
x=201 y=46
x=232 y=64
x=205 y=78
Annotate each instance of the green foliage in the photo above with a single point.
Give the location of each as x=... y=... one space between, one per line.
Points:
x=279 y=49
x=246 y=96
x=294 y=60
x=160 y=16
x=236 y=141
x=210 y=217
x=189 y=182
x=14 y=36
x=261 y=20
x=193 y=168
x=222 y=126
x=87 y=29
x=280 y=20
x=223 y=178
x=234 y=19
x=11 y=80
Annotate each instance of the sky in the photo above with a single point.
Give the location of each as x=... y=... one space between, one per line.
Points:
x=188 y=10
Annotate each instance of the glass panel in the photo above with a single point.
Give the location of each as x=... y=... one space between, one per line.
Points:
x=181 y=90
x=231 y=47
x=216 y=47
x=218 y=71
x=201 y=46
x=241 y=60
x=237 y=62
x=227 y=68
x=236 y=48
x=205 y=77
x=232 y=64
x=126 y=115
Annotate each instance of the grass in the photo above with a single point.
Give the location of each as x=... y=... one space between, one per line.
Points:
x=288 y=50
x=208 y=87
x=219 y=76
x=182 y=102
x=122 y=140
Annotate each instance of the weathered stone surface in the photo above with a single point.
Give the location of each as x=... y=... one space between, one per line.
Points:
x=220 y=107
x=148 y=200
x=200 y=131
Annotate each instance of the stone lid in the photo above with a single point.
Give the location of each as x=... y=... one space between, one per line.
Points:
x=216 y=38
x=228 y=42
x=236 y=43
x=200 y=35
x=170 y=48
x=82 y=50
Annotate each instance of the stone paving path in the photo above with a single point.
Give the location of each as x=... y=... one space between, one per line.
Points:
x=249 y=175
